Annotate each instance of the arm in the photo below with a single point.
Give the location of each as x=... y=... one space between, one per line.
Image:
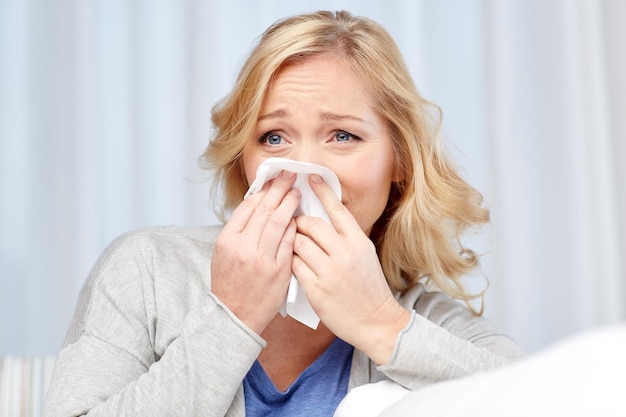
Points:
x=420 y=338
x=154 y=335
x=120 y=358
x=444 y=340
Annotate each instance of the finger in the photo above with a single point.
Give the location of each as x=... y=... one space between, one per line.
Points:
x=242 y=213
x=306 y=277
x=268 y=204
x=276 y=228
x=313 y=256
x=285 y=248
x=342 y=220
x=318 y=231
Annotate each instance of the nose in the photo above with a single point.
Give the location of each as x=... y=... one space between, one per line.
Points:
x=303 y=152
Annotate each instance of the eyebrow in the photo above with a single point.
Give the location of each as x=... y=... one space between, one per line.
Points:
x=278 y=114
x=283 y=114
x=334 y=116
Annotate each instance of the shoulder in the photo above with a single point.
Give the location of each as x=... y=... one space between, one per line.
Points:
x=150 y=253
x=128 y=272
x=141 y=244
x=166 y=235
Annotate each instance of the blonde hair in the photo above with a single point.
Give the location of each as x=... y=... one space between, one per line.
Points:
x=418 y=235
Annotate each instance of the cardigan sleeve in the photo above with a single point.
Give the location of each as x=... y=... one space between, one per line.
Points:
x=444 y=340
x=119 y=357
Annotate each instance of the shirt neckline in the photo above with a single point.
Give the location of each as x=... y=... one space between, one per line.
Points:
x=261 y=382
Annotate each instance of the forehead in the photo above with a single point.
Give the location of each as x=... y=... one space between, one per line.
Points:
x=322 y=76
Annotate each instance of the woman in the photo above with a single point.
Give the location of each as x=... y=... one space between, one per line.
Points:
x=178 y=321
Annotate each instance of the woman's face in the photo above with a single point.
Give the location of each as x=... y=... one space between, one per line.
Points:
x=317 y=111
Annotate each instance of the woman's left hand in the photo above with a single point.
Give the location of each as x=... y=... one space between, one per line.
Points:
x=341 y=274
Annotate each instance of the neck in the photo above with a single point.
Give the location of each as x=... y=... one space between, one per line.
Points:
x=286 y=330
x=291 y=348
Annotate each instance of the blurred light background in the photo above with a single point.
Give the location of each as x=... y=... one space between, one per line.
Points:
x=105 y=108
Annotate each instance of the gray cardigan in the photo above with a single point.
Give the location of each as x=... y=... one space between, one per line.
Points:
x=149 y=339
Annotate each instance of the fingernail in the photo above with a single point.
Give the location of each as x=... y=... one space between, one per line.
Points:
x=316 y=178
x=287 y=174
x=294 y=192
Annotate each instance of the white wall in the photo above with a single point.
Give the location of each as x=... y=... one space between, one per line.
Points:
x=105 y=107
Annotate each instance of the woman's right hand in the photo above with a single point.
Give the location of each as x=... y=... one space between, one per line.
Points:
x=251 y=262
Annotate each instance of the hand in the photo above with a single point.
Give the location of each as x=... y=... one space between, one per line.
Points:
x=343 y=279
x=251 y=262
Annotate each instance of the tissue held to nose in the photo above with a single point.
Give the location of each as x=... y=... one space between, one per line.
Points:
x=296 y=303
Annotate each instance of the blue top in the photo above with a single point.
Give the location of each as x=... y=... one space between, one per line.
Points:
x=316 y=392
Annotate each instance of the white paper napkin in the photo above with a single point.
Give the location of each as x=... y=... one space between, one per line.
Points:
x=296 y=304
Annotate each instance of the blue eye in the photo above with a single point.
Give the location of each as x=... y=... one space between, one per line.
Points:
x=271 y=138
x=343 y=136
x=274 y=139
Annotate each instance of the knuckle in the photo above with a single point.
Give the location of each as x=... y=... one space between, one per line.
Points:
x=259 y=264
x=366 y=246
x=300 y=243
x=221 y=243
x=337 y=207
x=277 y=222
x=287 y=242
x=317 y=222
x=248 y=203
x=264 y=208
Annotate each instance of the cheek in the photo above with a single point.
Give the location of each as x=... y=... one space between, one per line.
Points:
x=368 y=180
x=250 y=165
x=374 y=185
x=366 y=195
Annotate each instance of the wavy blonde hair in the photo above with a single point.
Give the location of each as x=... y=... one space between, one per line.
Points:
x=418 y=235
